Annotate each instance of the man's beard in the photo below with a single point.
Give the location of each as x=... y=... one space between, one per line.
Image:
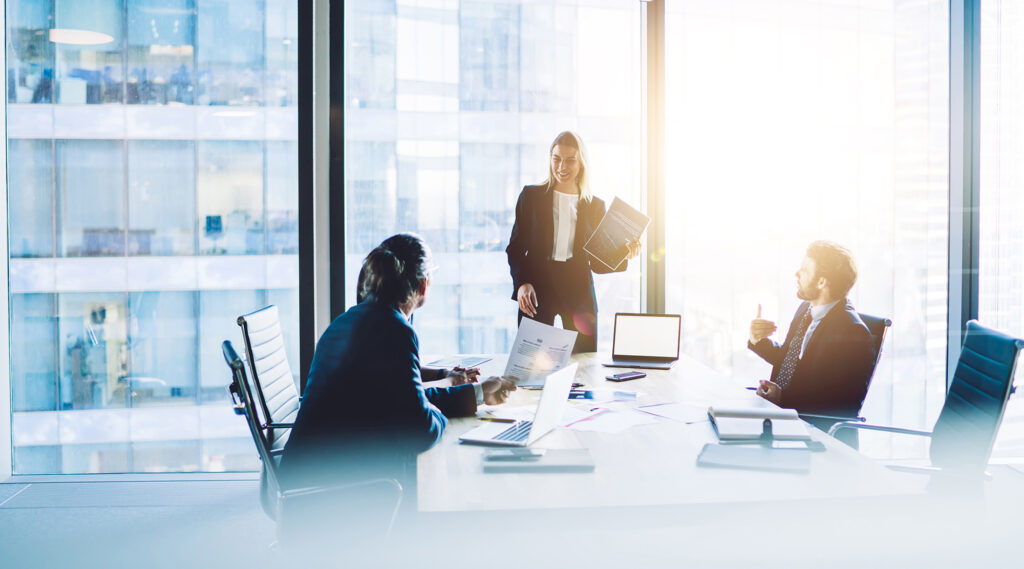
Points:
x=805 y=293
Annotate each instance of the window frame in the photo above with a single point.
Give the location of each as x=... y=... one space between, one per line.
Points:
x=964 y=178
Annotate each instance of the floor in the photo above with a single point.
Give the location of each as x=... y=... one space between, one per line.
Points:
x=216 y=522
x=109 y=523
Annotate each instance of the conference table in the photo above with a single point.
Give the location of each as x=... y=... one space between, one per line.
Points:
x=647 y=467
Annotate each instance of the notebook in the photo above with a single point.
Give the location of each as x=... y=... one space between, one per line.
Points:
x=748 y=423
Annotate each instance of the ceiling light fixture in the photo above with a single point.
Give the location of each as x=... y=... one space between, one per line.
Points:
x=79 y=37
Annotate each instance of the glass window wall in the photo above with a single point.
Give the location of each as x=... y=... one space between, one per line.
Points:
x=161 y=197
x=450 y=111
x=161 y=52
x=804 y=121
x=143 y=222
x=88 y=35
x=1001 y=259
x=30 y=198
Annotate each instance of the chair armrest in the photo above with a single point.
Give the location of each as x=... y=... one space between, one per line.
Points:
x=831 y=417
x=867 y=427
x=278 y=425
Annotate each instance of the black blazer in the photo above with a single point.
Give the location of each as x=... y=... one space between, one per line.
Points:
x=529 y=246
x=364 y=402
x=832 y=378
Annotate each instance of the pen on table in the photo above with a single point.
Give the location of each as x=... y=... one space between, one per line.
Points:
x=497 y=419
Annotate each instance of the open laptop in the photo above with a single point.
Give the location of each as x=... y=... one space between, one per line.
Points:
x=648 y=341
x=548 y=416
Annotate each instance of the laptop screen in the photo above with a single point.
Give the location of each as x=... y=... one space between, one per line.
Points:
x=646 y=336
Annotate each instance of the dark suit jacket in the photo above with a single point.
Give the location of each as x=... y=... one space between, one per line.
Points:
x=364 y=406
x=532 y=240
x=833 y=375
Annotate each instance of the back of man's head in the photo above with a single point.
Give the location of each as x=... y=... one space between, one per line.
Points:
x=835 y=263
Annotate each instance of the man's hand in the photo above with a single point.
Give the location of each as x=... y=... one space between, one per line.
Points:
x=496 y=390
x=770 y=391
x=527 y=297
x=462 y=376
x=760 y=329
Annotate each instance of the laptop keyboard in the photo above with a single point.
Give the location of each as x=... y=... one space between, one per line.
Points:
x=517 y=433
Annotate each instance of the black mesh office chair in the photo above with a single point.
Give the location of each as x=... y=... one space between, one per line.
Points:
x=966 y=429
x=877 y=326
x=360 y=512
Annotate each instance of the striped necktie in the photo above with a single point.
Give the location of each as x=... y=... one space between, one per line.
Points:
x=793 y=351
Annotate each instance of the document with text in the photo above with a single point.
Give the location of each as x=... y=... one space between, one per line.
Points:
x=621 y=225
x=538 y=350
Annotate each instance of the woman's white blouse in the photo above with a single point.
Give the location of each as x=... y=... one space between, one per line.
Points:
x=565 y=225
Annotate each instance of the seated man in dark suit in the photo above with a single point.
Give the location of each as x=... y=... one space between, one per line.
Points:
x=365 y=413
x=824 y=365
x=456 y=375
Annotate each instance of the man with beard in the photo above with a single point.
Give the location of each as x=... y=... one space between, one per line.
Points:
x=827 y=359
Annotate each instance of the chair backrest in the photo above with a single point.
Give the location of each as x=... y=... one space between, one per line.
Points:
x=982 y=382
x=242 y=397
x=276 y=392
x=878 y=327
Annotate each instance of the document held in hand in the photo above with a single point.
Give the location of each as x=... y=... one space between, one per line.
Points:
x=538 y=350
x=747 y=423
x=619 y=226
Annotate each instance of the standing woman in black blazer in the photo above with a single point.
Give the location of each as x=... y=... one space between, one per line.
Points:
x=551 y=274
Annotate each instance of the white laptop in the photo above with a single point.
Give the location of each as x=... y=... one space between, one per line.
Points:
x=649 y=341
x=524 y=433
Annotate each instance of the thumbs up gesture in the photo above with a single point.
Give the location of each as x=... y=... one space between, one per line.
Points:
x=760 y=329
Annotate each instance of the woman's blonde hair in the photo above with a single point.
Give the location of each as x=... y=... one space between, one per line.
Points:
x=572 y=140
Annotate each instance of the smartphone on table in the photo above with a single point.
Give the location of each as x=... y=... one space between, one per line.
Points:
x=626 y=376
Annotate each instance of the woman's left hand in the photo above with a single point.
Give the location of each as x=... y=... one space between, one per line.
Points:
x=633 y=249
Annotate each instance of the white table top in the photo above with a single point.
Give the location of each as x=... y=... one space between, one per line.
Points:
x=645 y=465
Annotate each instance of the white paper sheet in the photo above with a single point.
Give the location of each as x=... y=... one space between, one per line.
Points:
x=678 y=412
x=606 y=420
x=538 y=350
